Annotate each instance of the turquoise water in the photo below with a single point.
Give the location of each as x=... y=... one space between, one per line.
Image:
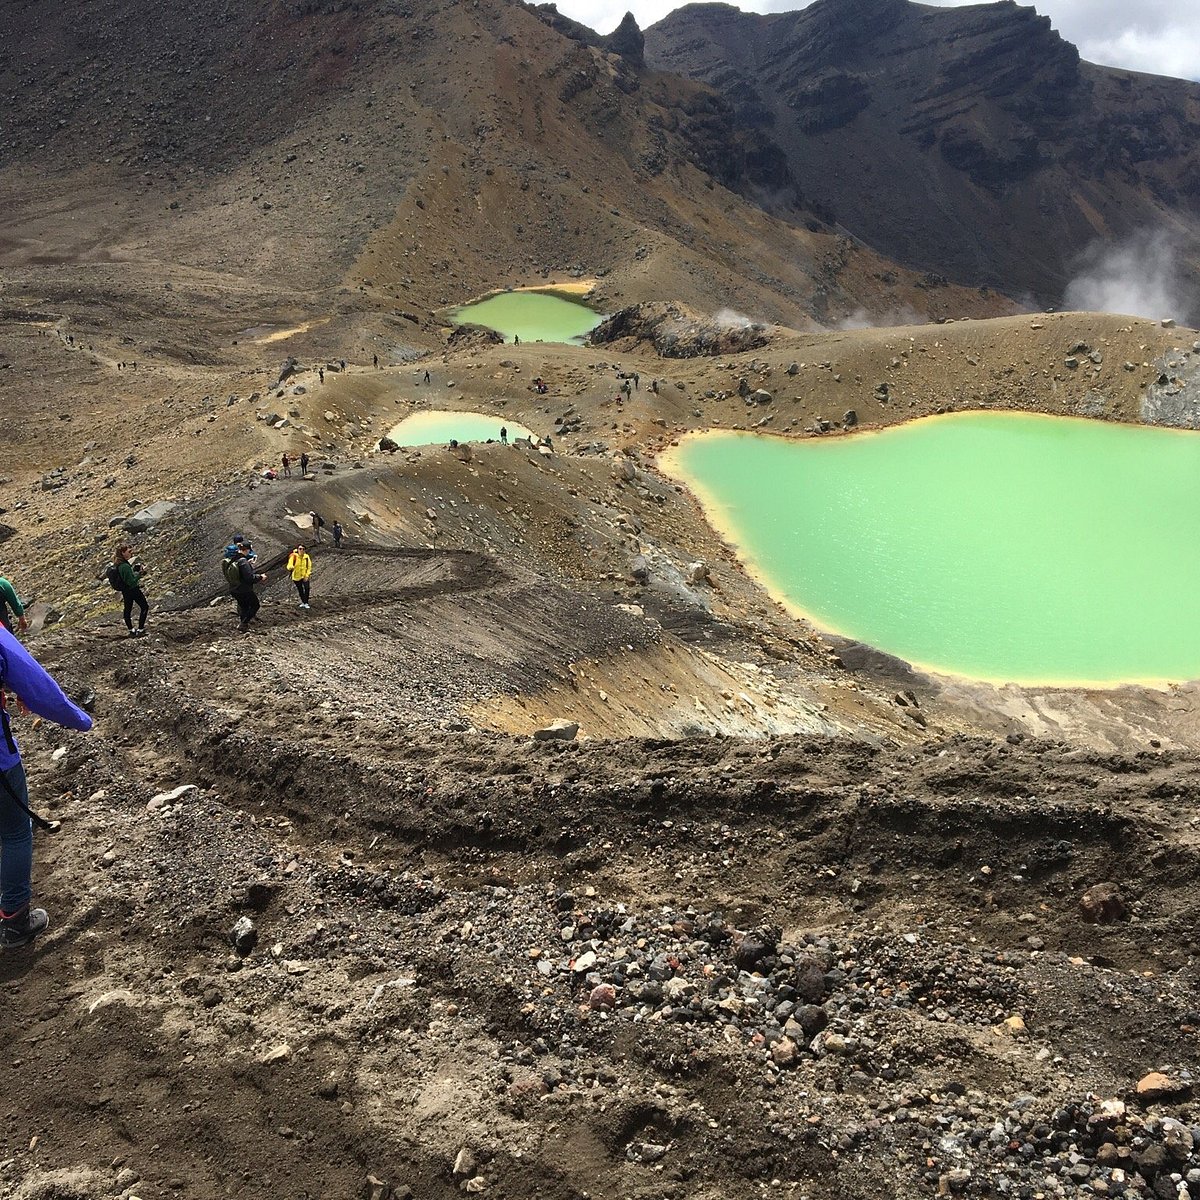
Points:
x=531 y=316
x=995 y=545
x=436 y=428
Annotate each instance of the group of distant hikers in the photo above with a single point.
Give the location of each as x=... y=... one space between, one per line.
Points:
x=239 y=568
x=36 y=692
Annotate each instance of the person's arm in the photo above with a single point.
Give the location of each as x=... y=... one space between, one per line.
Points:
x=10 y=594
x=35 y=688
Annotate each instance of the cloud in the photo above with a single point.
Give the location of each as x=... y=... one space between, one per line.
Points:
x=1158 y=36
x=862 y=318
x=1138 y=277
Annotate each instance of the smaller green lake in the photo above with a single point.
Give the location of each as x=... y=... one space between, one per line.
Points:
x=1000 y=546
x=438 y=427
x=531 y=316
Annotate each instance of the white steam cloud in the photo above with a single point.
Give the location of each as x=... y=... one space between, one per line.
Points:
x=727 y=318
x=862 y=318
x=1139 y=277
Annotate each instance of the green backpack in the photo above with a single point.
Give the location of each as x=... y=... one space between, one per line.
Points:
x=233 y=575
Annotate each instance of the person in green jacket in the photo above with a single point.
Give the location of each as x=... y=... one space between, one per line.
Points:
x=9 y=600
x=129 y=576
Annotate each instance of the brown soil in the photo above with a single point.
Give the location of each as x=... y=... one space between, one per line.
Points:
x=911 y=851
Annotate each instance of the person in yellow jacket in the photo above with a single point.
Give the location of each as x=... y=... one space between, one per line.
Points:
x=299 y=566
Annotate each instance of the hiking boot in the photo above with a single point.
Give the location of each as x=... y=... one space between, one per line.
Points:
x=133 y=633
x=21 y=927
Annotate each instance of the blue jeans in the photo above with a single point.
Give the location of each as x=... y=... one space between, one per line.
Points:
x=16 y=844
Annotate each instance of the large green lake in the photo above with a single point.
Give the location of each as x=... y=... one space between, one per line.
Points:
x=531 y=316
x=1000 y=546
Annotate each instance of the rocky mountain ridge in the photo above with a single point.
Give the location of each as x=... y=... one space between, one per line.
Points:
x=890 y=111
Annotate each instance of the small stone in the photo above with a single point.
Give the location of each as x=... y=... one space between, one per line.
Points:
x=1101 y=904
x=465 y=1163
x=1158 y=1086
x=560 y=730
x=603 y=997
x=244 y=935
x=162 y=799
x=784 y=1052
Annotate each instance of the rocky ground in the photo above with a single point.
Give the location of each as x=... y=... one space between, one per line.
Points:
x=306 y=948
x=328 y=920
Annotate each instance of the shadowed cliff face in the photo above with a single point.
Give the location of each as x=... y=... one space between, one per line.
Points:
x=968 y=141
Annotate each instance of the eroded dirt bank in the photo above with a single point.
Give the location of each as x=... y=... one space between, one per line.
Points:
x=701 y=967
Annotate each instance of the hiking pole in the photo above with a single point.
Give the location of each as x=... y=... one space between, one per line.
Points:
x=40 y=821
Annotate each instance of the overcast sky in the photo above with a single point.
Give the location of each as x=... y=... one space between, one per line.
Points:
x=1159 y=36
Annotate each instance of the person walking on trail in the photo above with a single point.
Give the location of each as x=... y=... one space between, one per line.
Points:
x=338 y=534
x=321 y=373
x=318 y=523
x=303 y=463
x=129 y=584
x=427 y=376
x=287 y=465
x=10 y=600
x=21 y=673
x=375 y=361
x=504 y=435
x=240 y=576
x=299 y=566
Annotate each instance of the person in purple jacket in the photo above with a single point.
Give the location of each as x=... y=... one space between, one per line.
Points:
x=22 y=674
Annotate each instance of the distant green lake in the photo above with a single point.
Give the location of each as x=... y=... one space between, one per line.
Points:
x=1000 y=546
x=438 y=427
x=531 y=316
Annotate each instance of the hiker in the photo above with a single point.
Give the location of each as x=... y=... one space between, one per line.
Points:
x=303 y=463
x=287 y=465
x=504 y=435
x=129 y=583
x=516 y=339
x=321 y=373
x=627 y=388
x=375 y=361
x=338 y=531
x=343 y=362
x=240 y=576
x=235 y=543
x=318 y=523
x=22 y=674
x=299 y=566
x=426 y=376
x=8 y=599
x=637 y=380
x=654 y=386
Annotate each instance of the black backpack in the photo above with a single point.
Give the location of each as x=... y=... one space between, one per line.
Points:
x=113 y=575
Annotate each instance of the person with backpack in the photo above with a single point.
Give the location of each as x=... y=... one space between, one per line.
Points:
x=318 y=523
x=240 y=576
x=125 y=577
x=21 y=673
x=287 y=465
x=303 y=464
x=338 y=534
x=299 y=566
x=10 y=600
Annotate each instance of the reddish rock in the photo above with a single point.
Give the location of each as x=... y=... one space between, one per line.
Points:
x=1157 y=1086
x=603 y=996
